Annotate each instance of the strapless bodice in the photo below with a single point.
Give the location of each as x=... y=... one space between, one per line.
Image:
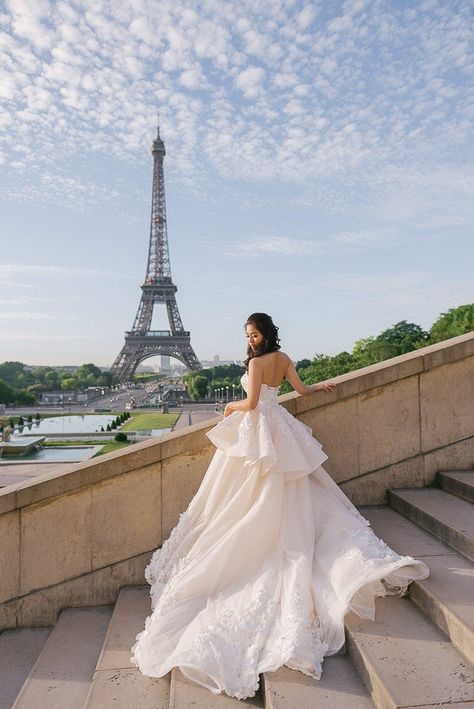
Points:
x=268 y=394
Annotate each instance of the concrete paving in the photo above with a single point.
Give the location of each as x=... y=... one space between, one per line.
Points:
x=406 y=660
x=446 y=596
x=460 y=483
x=339 y=686
x=117 y=682
x=12 y=473
x=189 y=418
x=448 y=517
x=63 y=672
x=19 y=649
x=185 y=694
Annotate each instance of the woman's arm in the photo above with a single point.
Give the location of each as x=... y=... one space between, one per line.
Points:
x=254 y=385
x=293 y=377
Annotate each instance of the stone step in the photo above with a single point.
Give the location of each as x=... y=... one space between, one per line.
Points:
x=117 y=682
x=19 y=649
x=288 y=689
x=458 y=482
x=185 y=694
x=63 y=671
x=446 y=516
x=405 y=660
x=446 y=596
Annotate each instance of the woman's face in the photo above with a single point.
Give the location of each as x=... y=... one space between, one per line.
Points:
x=254 y=337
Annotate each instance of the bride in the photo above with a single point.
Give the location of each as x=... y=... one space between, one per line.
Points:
x=270 y=554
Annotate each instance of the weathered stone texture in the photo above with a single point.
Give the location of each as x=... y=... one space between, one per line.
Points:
x=126 y=515
x=55 y=540
x=389 y=424
x=9 y=555
x=447 y=404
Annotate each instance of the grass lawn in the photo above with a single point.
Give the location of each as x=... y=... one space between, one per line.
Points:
x=149 y=421
x=107 y=446
x=111 y=446
x=78 y=442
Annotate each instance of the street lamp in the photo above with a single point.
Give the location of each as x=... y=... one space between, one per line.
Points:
x=233 y=392
x=227 y=394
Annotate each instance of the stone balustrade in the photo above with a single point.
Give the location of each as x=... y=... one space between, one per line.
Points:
x=74 y=539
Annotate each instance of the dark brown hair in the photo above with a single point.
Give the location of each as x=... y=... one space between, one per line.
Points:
x=266 y=327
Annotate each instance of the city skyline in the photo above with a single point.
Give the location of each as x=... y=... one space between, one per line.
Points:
x=318 y=167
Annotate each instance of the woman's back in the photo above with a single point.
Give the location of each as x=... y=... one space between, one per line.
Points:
x=274 y=366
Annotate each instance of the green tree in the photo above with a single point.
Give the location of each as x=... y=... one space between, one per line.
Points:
x=303 y=363
x=401 y=338
x=367 y=351
x=88 y=372
x=51 y=378
x=197 y=387
x=9 y=371
x=7 y=395
x=456 y=321
x=25 y=398
x=69 y=383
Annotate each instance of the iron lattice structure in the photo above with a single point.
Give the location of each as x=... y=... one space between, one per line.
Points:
x=141 y=342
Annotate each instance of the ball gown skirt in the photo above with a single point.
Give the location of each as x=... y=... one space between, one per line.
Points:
x=264 y=563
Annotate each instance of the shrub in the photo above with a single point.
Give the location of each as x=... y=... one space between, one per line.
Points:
x=108 y=427
x=21 y=421
x=114 y=424
x=120 y=437
x=30 y=418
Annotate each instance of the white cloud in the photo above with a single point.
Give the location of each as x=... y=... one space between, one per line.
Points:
x=261 y=246
x=249 y=80
x=24 y=315
x=305 y=16
x=39 y=270
x=44 y=336
x=192 y=78
x=402 y=289
x=333 y=118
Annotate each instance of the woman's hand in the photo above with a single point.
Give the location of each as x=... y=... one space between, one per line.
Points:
x=228 y=410
x=324 y=386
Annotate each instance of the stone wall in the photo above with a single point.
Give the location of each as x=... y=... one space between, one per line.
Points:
x=74 y=539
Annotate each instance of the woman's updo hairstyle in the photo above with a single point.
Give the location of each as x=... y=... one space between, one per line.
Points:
x=265 y=325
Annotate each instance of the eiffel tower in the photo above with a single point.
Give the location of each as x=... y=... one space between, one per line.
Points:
x=140 y=341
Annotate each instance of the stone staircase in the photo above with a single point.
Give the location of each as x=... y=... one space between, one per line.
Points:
x=418 y=652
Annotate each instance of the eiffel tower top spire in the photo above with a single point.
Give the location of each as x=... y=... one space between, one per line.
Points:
x=158 y=144
x=158 y=265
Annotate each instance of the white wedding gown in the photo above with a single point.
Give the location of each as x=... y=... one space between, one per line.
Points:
x=265 y=561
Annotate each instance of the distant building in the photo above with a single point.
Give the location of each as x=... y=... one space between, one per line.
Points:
x=65 y=398
x=207 y=364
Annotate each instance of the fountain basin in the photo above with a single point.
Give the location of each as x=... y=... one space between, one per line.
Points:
x=21 y=446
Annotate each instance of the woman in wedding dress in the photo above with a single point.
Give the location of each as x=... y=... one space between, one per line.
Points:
x=269 y=555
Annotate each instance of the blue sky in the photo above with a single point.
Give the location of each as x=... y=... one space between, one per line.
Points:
x=319 y=168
